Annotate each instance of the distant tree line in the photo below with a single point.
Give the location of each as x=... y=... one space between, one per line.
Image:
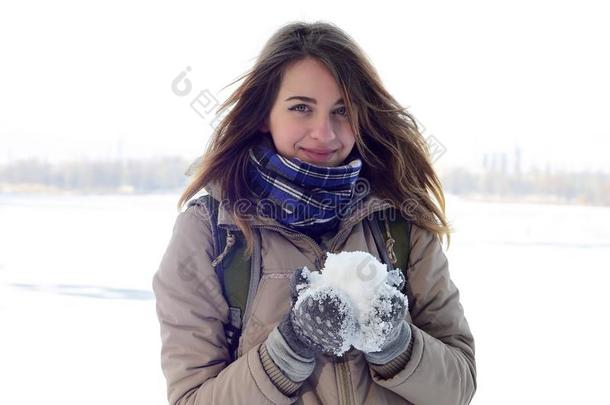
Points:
x=137 y=175
x=573 y=187
x=168 y=173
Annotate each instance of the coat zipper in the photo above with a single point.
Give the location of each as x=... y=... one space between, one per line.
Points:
x=345 y=388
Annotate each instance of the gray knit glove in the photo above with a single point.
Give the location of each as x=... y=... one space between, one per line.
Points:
x=390 y=311
x=320 y=323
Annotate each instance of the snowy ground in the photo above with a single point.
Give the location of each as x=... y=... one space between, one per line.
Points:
x=79 y=325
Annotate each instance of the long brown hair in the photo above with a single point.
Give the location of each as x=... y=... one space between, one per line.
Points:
x=396 y=159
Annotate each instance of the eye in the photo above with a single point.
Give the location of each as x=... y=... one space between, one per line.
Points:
x=297 y=108
x=342 y=111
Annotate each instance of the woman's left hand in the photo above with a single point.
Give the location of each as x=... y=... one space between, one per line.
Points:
x=390 y=312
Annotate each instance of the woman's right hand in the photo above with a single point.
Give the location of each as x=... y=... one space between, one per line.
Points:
x=321 y=322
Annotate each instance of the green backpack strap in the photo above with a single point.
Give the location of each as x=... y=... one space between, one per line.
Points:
x=232 y=268
x=392 y=235
x=400 y=231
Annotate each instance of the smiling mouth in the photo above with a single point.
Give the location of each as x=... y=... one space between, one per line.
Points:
x=318 y=154
x=320 y=151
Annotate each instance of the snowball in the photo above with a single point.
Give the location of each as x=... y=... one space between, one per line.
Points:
x=361 y=281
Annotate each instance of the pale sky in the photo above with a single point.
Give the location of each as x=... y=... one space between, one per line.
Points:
x=85 y=80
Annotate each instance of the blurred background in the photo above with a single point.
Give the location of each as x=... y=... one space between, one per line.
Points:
x=103 y=107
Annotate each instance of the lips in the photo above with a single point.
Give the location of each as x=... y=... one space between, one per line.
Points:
x=320 y=151
x=318 y=154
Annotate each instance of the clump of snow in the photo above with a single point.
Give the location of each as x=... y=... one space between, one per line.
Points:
x=363 y=283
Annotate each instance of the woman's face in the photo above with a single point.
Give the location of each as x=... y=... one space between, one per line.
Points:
x=309 y=119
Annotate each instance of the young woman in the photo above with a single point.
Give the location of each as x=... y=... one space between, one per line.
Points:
x=309 y=123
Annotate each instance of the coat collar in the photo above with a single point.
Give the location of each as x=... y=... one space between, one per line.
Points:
x=371 y=203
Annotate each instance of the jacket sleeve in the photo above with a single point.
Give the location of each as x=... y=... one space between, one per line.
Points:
x=441 y=369
x=191 y=311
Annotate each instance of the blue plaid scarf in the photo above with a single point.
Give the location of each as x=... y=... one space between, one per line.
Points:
x=309 y=198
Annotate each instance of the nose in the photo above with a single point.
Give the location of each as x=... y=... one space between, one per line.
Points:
x=323 y=130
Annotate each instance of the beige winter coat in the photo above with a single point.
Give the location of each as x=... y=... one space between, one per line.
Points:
x=191 y=311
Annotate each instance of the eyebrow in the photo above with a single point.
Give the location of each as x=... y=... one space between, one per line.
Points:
x=310 y=100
